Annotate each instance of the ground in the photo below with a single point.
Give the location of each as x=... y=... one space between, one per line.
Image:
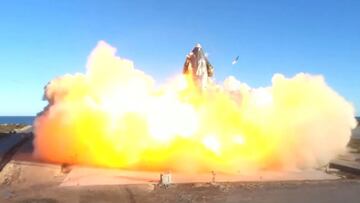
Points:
x=6 y=128
x=277 y=192
x=24 y=179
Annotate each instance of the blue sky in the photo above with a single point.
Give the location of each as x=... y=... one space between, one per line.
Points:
x=40 y=40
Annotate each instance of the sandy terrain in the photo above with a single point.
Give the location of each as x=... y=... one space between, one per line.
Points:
x=277 y=192
x=25 y=179
x=38 y=182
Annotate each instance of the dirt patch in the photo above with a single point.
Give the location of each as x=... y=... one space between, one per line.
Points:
x=42 y=200
x=23 y=175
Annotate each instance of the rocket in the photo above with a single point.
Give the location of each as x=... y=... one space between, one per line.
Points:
x=198 y=67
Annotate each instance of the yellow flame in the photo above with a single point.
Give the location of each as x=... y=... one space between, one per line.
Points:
x=212 y=143
x=113 y=115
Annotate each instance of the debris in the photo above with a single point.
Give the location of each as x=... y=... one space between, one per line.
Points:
x=235 y=60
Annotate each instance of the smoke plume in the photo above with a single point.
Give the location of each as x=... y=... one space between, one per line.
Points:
x=114 y=116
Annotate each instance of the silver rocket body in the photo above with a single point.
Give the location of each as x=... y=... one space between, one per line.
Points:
x=198 y=66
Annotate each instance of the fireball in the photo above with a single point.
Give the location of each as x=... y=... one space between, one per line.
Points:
x=113 y=116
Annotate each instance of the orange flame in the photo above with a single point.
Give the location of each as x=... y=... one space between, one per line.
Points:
x=114 y=116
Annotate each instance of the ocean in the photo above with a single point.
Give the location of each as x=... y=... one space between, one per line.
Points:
x=28 y=120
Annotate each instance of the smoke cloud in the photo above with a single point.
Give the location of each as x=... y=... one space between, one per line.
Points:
x=114 y=116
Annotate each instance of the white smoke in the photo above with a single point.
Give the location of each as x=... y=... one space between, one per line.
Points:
x=114 y=116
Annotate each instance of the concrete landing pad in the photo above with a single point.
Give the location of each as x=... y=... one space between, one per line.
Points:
x=82 y=176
